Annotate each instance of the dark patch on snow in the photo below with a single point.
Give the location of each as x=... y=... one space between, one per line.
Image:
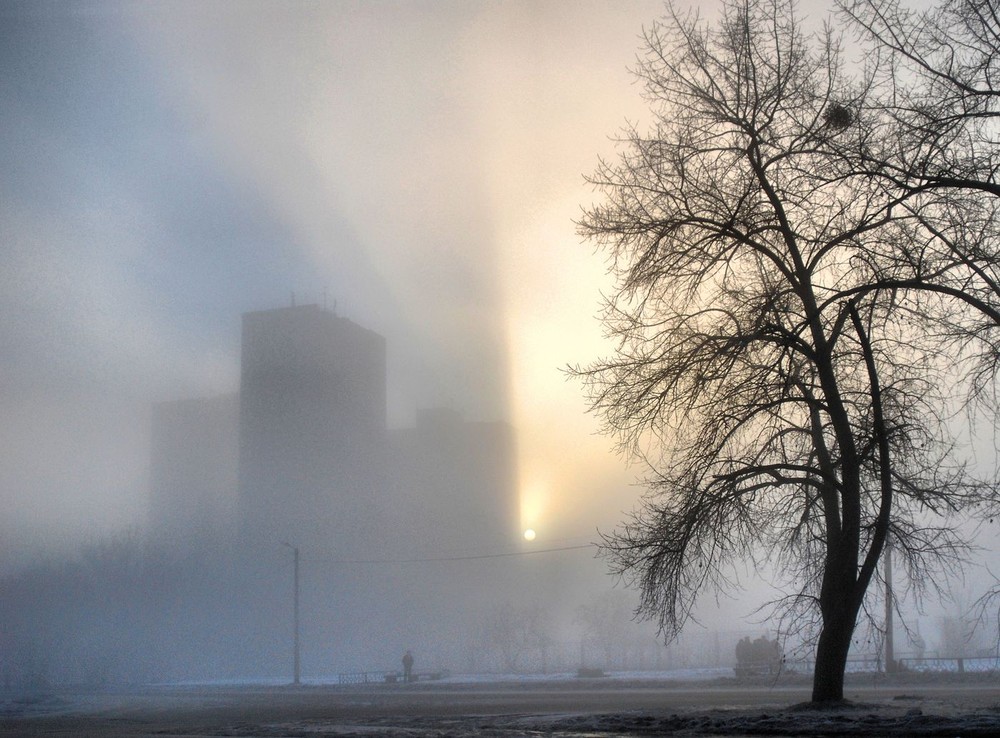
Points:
x=838 y=706
x=851 y=721
x=835 y=723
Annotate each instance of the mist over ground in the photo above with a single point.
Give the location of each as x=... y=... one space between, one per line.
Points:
x=412 y=168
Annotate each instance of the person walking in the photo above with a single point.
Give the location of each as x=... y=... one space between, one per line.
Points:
x=407 y=667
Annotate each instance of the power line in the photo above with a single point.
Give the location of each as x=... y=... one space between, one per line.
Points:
x=450 y=558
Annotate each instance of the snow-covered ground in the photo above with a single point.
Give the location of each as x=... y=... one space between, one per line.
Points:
x=984 y=665
x=698 y=702
x=701 y=674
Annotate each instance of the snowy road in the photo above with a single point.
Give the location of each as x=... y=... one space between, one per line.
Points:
x=592 y=708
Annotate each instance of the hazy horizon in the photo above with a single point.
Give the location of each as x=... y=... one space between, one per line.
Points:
x=416 y=167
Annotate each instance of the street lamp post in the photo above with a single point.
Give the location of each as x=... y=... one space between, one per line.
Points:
x=297 y=660
x=890 y=656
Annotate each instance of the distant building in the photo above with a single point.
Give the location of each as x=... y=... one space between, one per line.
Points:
x=454 y=484
x=312 y=430
x=193 y=469
x=302 y=455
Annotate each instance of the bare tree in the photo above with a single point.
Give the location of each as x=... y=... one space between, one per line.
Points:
x=940 y=98
x=783 y=366
x=931 y=138
x=948 y=55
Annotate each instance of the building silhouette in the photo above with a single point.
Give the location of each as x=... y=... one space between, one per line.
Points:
x=453 y=484
x=312 y=430
x=301 y=454
x=302 y=457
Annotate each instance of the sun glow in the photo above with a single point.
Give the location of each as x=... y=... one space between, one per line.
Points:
x=534 y=498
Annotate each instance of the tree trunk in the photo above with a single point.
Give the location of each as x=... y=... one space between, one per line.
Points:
x=831 y=652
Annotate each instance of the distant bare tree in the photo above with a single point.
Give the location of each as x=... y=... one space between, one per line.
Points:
x=515 y=633
x=605 y=620
x=792 y=331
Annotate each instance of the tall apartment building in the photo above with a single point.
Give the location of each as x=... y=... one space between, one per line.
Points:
x=312 y=431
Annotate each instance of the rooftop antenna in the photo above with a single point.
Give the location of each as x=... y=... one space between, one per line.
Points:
x=293 y=298
x=324 y=298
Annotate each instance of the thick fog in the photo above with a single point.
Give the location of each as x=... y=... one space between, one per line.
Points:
x=413 y=169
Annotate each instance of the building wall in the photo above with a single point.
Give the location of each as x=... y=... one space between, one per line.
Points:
x=193 y=469
x=454 y=484
x=312 y=430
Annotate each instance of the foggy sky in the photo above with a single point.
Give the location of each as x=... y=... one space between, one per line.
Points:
x=168 y=166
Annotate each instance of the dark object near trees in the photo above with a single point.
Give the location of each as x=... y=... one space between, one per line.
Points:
x=837 y=116
x=760 y=657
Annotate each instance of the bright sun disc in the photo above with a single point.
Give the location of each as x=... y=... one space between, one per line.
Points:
x=529 y=535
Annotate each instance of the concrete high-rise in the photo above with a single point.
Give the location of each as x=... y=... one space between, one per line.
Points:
x=312 y=431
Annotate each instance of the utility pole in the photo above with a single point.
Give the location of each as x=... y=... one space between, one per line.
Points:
x=890 y=659
x=297 y=660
